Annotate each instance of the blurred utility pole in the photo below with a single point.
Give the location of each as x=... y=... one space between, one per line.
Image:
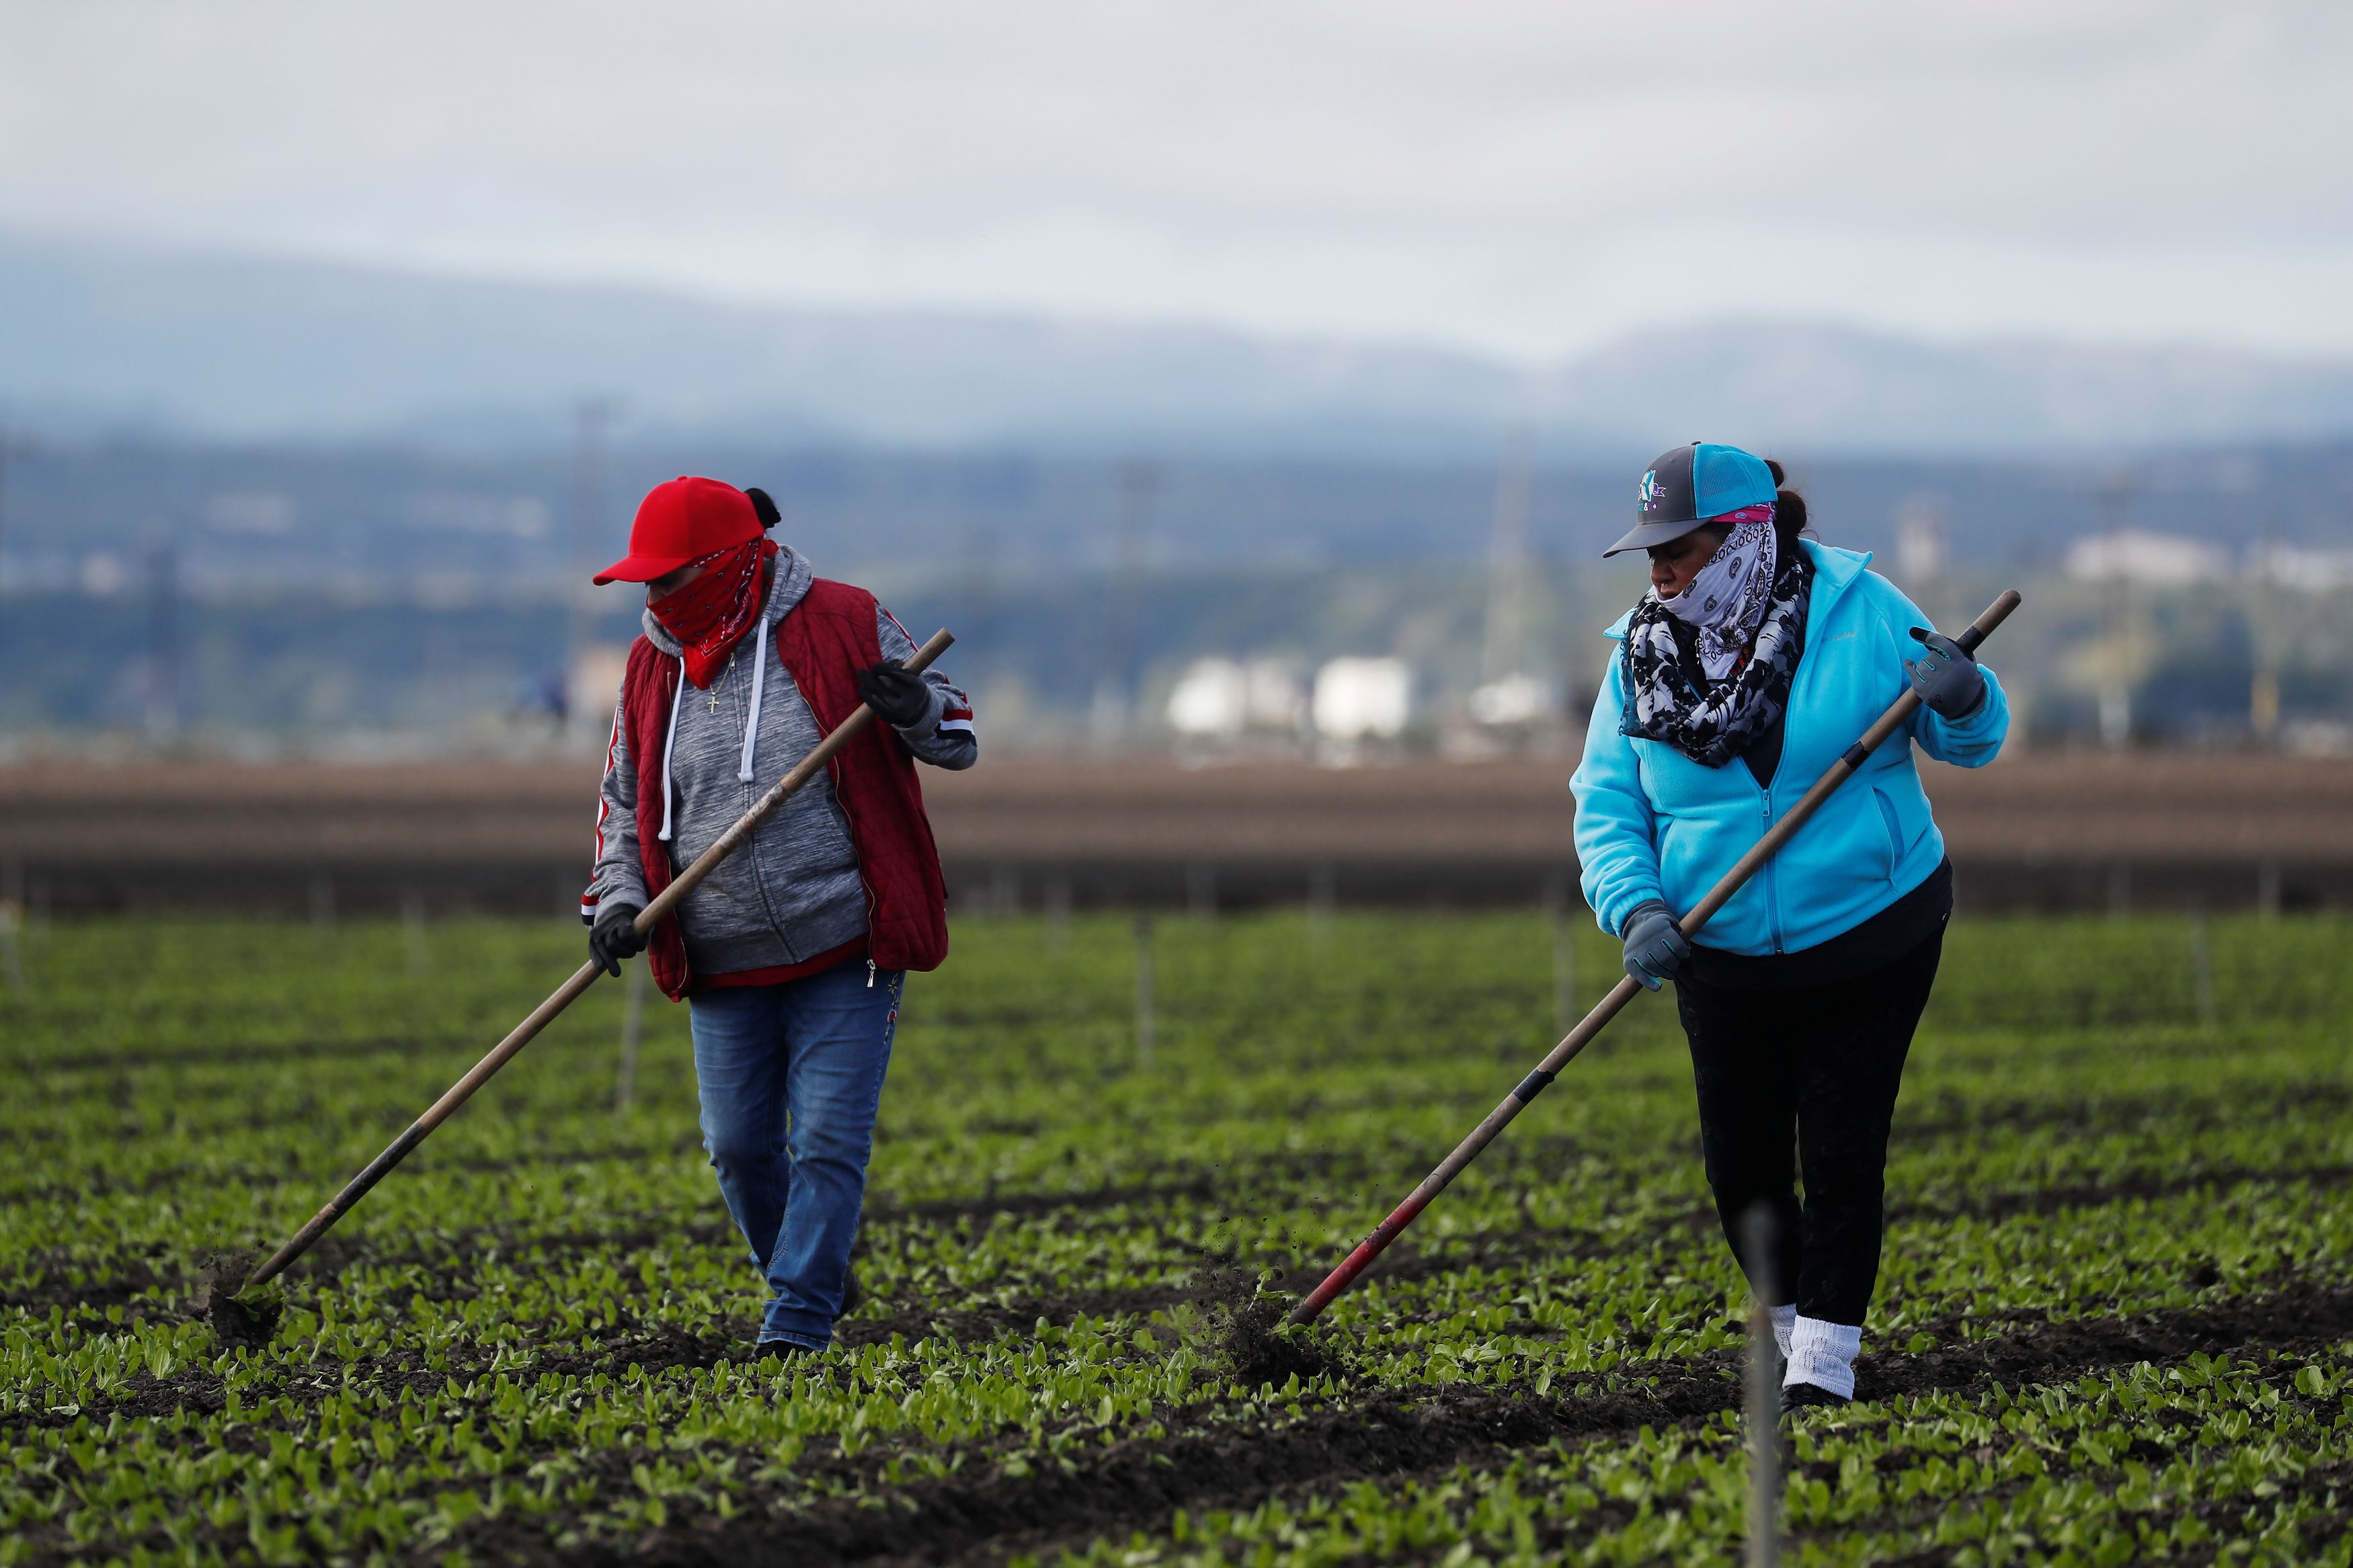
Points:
x=162 y=641
x=1146 y=1013
x=3 y=483
x=587 y=522
x=2115 y=611
x=1507 y=565
x=977 y=634
x=3 y=501
x=1116 y=674
x=2263 y=634
x=1920 y=555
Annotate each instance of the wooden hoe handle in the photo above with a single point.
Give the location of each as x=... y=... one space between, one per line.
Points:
x=727 y=842
x=1626 y=990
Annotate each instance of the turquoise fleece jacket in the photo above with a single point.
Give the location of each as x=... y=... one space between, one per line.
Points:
x=1652 y=824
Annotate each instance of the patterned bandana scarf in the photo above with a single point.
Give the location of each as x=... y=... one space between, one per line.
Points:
x=1692 y=679
x=1726 y=602
x=710 y=615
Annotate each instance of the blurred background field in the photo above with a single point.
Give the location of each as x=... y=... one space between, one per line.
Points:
x=1251 y=392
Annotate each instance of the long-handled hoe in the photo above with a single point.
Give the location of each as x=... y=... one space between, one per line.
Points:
x=242 y=1318
x=1626 y=990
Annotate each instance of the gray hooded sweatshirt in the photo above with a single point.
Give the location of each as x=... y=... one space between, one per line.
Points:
x=793 y=892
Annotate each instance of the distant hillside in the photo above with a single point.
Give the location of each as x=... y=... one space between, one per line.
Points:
x=93 y=337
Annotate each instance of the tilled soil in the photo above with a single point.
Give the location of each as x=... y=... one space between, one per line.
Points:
x=992 y=1511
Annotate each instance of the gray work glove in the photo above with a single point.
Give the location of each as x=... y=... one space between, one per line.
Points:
x=1947 y=679
x=1656 y=947
x=899 y=696
x=615 y=937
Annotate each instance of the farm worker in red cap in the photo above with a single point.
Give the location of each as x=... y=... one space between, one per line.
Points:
x=792 y=953
x=1756 y=656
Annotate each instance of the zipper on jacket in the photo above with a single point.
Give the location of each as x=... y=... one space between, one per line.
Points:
x=1772 y=881
x=842 y=802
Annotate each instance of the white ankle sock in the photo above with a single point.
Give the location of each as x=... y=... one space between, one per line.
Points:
x=1785 y=1319
x=1823 y=1354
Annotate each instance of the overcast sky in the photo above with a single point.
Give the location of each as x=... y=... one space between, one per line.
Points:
x=1528 y=179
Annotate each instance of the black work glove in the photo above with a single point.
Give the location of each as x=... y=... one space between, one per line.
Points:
x=615 y=937
x=1656 y=947
x=1947 y=679
x=899 y=697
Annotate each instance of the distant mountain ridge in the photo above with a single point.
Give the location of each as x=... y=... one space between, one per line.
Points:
x=94 y=336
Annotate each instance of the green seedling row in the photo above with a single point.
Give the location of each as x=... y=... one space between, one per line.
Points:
x=2115 y=1322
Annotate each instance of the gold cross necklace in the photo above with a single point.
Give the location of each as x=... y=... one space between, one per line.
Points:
x=714 y=684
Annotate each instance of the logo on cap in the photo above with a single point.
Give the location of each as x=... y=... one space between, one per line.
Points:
x=1650 y=496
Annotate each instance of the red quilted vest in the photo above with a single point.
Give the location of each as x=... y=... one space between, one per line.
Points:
x=824 y=641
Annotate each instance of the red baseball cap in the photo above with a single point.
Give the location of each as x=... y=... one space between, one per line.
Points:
x=680 y=522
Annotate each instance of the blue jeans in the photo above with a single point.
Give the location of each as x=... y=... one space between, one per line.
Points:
x=790 y=1077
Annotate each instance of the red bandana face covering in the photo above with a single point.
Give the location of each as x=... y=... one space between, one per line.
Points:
x=710 y=615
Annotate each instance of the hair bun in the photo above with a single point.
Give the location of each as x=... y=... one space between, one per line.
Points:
x=1775 y=469
x=1789 y=511
x=769 y=516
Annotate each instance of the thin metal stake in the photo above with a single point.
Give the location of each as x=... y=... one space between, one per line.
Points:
x=1143 y=1019
x=633 y=1028
x=2202 y=964
x=412 y=931
x=1323 y=899
x=12 y=958
x=1057 y=916
x=1201 y=890
x=1563 y=954
x=1764 y=1396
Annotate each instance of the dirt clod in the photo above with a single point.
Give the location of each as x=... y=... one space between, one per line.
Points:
x=1255 y=1343
x=239 y=1317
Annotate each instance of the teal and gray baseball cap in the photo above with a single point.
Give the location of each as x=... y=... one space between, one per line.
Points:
x=1691 y=484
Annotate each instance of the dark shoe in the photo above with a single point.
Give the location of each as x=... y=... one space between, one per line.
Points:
x=783 y=1349
x=1808 y=1396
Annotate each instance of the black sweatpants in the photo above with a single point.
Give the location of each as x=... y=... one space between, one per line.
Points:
x=1812 y=1073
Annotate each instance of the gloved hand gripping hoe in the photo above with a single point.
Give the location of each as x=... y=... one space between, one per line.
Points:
x=238 y=1320
x=1626 y=990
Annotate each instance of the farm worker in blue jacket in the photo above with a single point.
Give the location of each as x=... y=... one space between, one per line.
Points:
x=1755 y=658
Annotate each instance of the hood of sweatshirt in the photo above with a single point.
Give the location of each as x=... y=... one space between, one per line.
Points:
x=786 y=588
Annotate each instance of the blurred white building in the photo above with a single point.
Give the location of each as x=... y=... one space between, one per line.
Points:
x=1211 y=701
x=1362 y=698
x=1277 y=700
x=2153 y=560
x=1515 y=700
x=2312 y=571
x=1222 y=698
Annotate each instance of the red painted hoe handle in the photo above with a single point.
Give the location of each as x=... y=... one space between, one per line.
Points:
x=582 y=978
x=1626 y=990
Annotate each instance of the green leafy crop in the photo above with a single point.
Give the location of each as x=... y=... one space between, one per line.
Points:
x=2115 y=1322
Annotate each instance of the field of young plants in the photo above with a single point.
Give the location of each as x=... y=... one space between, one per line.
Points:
x=2115 y=1321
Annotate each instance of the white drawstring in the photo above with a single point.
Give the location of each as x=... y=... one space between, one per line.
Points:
x=759 y=675
x=670 y=745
